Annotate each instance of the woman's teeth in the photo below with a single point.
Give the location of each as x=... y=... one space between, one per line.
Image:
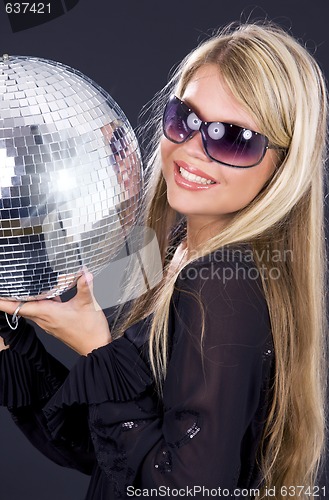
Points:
x=194 y=178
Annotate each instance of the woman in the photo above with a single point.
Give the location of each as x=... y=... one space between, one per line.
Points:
x=215 y=381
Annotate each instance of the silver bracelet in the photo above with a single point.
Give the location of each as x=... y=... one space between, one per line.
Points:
x=13 y=324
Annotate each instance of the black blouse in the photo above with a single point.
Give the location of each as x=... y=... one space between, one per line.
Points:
x=104 y=417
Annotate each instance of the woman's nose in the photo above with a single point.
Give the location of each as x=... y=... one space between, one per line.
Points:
x=194 y=147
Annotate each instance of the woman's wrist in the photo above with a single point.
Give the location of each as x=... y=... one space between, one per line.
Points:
x=9 y=330
x=90 y=346
x=89 y=343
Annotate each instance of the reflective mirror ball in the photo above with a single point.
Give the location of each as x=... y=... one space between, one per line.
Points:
x=71 y=177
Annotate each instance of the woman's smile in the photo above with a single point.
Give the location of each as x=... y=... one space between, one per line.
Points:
x=189 y=177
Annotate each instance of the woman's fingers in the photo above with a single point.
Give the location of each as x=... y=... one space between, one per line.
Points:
x=2 y=345
x=35 y=310
x=47 y=309
x=10 y=306
x=85 y=295
x=56 y=299
x=78 y=322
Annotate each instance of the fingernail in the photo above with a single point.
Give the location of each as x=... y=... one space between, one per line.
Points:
x=88 y=278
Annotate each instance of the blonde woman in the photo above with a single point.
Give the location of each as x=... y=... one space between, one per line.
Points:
x=215 y=380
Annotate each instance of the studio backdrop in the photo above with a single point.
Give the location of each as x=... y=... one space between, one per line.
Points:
x=128 y=48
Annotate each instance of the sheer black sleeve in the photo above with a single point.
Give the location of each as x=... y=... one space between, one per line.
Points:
x=29 y=377
x=206 y=430
x=29 y=374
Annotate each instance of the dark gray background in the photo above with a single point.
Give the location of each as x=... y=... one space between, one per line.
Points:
x=128 y=47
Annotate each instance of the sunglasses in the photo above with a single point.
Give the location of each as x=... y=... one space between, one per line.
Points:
x=224 y=143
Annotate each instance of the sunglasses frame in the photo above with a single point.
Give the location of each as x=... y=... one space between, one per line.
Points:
x=203 y=129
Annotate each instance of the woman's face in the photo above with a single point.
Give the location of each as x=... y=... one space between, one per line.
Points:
x=234 y=188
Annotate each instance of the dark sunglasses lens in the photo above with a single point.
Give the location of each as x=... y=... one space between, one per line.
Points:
x=175 y=121
x=233 y=145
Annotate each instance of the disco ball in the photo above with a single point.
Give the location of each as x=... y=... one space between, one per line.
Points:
x=70 y=177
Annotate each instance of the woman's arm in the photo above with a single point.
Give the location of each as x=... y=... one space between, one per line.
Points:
x=79 y=323
x=30 y=377
x=207 y=429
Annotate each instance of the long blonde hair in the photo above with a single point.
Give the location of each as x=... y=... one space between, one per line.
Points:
x=281 y=86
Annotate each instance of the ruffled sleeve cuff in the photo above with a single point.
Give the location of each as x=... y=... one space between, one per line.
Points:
x=28 y=374
x=114 y=372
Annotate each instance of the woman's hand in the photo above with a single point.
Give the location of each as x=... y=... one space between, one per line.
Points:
x=2 y=345
x=79 y=323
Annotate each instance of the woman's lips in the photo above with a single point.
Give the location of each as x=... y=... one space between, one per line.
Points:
x=188 y=184
x=195 y=171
